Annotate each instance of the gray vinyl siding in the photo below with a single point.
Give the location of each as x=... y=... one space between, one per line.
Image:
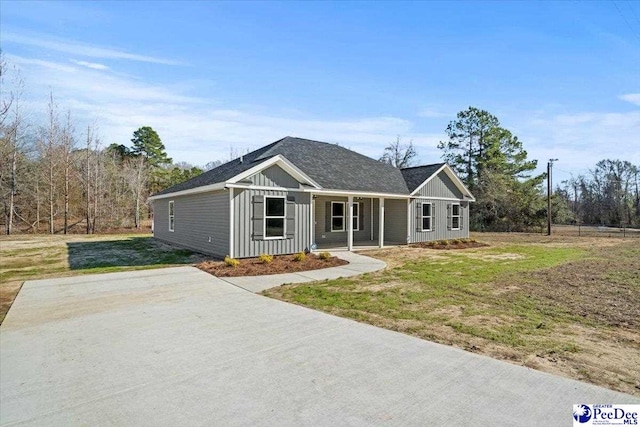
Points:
x=439 y=225
x=440 y=186
x=244 y=243
x=201 y=222
x=395 y=221
x=324 y=235
x=274 y=176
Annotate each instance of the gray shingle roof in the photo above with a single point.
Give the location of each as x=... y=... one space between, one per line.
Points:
x=417 y=175
x=330 y=165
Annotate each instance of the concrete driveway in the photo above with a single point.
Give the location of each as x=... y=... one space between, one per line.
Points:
x=180 y=347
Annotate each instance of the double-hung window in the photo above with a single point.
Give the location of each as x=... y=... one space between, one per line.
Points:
x=427 y=216
x=171 y=216
x=337 y=216
x=274 y=217
x=339 y=213
x=455 y=216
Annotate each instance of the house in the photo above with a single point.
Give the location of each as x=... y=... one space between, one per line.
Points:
x=298 y=195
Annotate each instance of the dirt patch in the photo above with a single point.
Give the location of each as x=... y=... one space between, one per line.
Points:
x=280 y=264
x=497 y=257
x=440 y=245
x=8 y=293
x=398 y=256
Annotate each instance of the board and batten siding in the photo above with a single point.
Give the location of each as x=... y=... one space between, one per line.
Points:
x=439 y=221
x=440 y=186
x=246 y=245
x=274 y=176
x=201 y=222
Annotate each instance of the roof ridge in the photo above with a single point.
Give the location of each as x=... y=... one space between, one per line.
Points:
x=424 y=166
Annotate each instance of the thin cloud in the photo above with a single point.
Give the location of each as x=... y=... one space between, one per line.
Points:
x=92 y=65
x=80 y=49
x=633 y=98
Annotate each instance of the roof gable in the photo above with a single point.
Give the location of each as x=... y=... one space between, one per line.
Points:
x=429 y=172
x=338 y=168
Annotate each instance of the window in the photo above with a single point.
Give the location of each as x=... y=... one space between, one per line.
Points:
x=455 y=217
x=171 y=216
x=337 y=216
x=274 y=217
x=426 y=216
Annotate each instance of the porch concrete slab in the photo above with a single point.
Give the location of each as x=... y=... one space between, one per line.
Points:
x=180 y=347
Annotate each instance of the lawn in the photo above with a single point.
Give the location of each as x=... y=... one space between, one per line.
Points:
x=563 y=305
x=41 y=256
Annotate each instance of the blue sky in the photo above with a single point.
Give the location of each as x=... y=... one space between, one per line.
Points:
x=211 y=76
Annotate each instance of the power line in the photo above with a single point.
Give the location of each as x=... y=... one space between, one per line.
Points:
x=633 y=12
x=635 y=33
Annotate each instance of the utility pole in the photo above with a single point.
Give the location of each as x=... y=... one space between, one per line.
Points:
x=549 y=191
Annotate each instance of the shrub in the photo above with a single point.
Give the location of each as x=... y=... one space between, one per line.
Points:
x=431 y=243
x=231 y=262
x=324 y=255
x=456 y=241
x=300 y=256
x=265 y=258
x=443 y=242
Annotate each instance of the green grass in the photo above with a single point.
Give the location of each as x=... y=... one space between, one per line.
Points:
x=425 y=292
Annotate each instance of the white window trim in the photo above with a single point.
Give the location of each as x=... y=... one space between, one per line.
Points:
x=356 y=216
x=344 y=217
x=283 y=217
x=423 y=216
x=172 y=216
x=456 y=216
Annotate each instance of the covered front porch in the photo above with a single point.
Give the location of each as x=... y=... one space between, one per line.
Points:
x=375 y=221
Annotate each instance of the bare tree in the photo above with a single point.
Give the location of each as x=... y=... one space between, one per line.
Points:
x=136 y=177
x=48 y=153
x=11 y=141
x=399 y=155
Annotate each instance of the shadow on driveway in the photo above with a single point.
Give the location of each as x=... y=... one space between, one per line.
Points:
x=134 y=251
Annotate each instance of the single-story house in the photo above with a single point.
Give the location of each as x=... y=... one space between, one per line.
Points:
x=300 y=195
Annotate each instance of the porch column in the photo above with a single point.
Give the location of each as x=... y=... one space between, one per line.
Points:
x=350 y=224
x=312 y=221
x=381 y=223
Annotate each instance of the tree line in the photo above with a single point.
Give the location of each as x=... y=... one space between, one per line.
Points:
x=609 y=194
x=55 y=178
x=494 y=165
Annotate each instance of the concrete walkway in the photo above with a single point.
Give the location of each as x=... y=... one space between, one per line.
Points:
x=358 y=264
x=178 y=346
